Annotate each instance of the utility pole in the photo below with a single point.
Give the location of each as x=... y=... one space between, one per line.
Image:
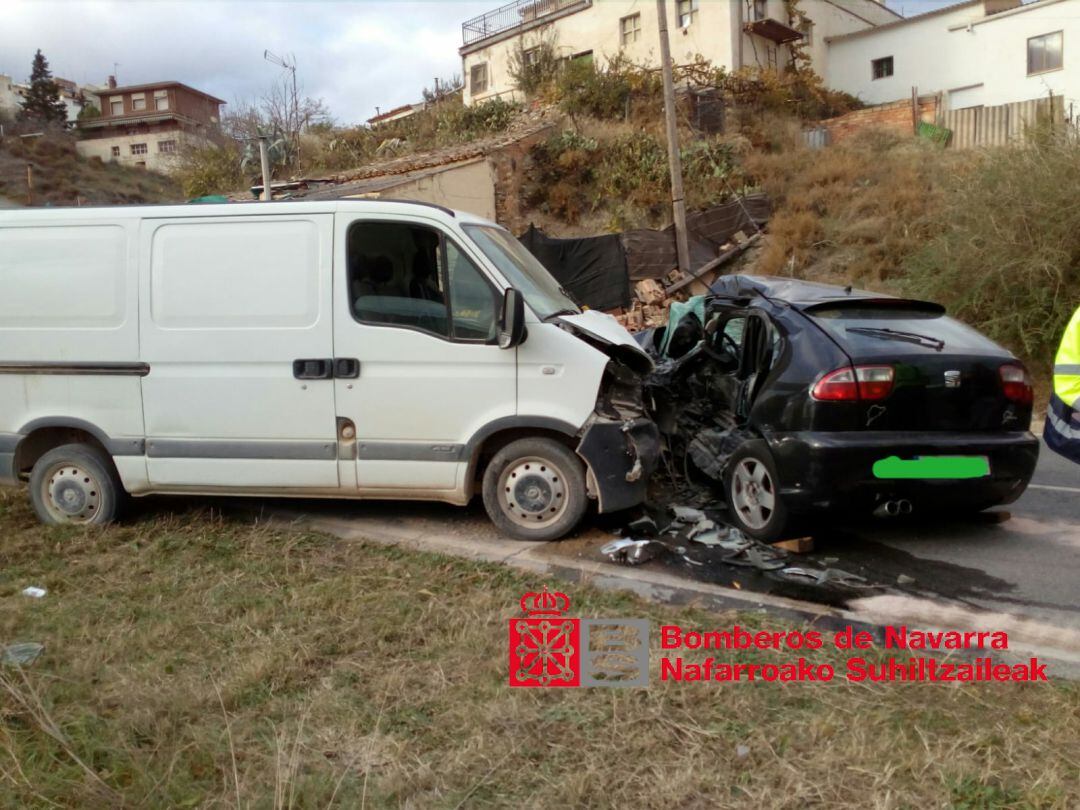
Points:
x=264 y=159
x=678 y=200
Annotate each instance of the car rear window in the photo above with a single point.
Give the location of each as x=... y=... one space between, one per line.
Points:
x=893 y=328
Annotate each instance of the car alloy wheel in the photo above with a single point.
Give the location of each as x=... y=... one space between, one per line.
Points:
x=753 y=493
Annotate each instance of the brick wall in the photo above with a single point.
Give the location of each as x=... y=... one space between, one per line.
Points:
x=894 y=116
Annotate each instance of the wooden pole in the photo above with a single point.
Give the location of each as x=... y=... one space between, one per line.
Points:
x=678 y=199
x=264 y=159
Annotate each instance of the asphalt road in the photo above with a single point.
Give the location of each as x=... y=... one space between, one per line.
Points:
x=1027 y=565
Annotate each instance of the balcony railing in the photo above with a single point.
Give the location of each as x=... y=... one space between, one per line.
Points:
x=513 y=15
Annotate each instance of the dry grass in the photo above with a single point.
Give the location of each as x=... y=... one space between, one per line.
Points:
x=196 y=661
x=59 y=176
x=852 y=213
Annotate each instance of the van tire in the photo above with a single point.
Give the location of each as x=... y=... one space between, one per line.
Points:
x=752 y=491
x=75 y=484
x=535 y=480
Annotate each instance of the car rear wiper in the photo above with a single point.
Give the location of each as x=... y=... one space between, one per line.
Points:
x=893 y=334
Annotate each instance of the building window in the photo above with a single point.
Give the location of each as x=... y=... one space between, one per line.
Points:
x=116 y=106
x=115 y=151
x=770 y=56
x=584 y=56
x=138 y=102
x=687 y=12
x=167 y=147
x=1046 y=53
x=139 y=149
x=761 y=10
x=630 y=29
x=882 y=68
x=478 y=78
x=161 y=99
x=807 y=30
x=531 y=56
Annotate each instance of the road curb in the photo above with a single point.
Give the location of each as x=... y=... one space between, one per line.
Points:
x=1027 y=638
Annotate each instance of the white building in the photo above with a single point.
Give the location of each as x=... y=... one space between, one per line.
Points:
x=729 y=33
x=976 y=53
x=12 y=94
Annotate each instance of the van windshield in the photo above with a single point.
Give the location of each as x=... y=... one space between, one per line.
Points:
x=523 y=271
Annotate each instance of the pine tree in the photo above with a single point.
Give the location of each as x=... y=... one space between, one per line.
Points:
x=42 y=104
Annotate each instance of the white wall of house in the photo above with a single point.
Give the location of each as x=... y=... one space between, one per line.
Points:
x=715 y=33
x=10 y=98
x=973 y=57
x=156 y=157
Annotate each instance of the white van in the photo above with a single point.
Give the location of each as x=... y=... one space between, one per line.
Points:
x=356 y=349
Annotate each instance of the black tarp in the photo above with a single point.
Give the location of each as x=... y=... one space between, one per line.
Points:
x=599 y=270
x=592 y=269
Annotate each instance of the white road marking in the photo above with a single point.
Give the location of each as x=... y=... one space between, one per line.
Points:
x=1053 y=489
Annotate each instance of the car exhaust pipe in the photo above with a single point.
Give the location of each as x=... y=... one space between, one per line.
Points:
x=893 y=508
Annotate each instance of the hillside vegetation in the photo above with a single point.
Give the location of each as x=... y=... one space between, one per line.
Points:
x=60 y=177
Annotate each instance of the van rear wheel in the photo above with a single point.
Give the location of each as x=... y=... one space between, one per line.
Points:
x=75 y=483
x=534 y=489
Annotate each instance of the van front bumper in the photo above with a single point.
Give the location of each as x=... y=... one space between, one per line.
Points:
x=621 y=456
x=831 y=470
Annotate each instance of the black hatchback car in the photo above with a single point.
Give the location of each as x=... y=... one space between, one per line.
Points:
x=801 y=398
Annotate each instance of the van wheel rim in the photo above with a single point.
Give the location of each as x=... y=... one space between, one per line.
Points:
x=532 y=492
x=753 y=493
x=71 y=493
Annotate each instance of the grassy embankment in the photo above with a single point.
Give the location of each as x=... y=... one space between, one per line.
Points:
x=194 y=660
x=60 y=177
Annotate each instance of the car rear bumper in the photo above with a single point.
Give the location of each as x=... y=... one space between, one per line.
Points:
x=834 y=470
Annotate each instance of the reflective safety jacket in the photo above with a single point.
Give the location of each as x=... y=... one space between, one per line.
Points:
x=1062 y=431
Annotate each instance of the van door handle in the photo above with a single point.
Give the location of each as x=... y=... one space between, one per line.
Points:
x=316 y=369
x=346 y=368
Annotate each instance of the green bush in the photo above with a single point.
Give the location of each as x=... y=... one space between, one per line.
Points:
x=1007 y=260
x=210 y=169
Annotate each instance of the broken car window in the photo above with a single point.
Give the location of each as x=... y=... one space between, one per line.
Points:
x=524 y=272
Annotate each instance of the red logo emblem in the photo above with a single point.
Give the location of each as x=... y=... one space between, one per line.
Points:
x=545 y=648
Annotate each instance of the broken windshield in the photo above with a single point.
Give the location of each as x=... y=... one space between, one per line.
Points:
x=523 y=271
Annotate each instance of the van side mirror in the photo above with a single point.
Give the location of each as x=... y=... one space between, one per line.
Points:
x=511 y=319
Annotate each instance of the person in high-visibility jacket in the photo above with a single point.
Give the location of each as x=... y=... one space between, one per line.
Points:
x=1062 y=431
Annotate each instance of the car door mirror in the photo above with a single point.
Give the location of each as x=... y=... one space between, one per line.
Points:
x=511 y=319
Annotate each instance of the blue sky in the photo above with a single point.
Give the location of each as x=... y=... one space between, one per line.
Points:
x=355 y=54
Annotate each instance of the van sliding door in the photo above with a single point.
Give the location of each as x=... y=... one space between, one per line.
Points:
x=237 y=328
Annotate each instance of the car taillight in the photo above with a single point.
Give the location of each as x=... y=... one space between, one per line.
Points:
x=1016 y=384
x=866 y=383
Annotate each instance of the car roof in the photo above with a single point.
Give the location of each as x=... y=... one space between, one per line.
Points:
x=802 y=294
x=253 y=208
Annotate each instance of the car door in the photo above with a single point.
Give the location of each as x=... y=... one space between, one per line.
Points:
x=419 y=371
x=236 y=327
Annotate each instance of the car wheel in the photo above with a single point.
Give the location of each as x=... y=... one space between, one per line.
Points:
x=753 y=495
x=534 y=489
x=75 y=484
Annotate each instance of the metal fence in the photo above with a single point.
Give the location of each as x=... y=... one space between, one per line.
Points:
x=512 y=15
x=1001 y=125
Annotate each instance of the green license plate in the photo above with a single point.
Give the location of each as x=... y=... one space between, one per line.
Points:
x=951 y=468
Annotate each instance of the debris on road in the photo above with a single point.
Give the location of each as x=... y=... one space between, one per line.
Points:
x=632 y=552
x=21 y=654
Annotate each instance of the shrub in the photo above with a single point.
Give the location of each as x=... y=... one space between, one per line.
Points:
x=1008 y=260
x=210 y=168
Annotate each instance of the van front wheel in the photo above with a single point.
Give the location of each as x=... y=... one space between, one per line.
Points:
x=75 y=483
x=534 y=489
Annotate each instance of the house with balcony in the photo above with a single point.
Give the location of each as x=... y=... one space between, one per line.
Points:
x=147 y=124
x=730 y=34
